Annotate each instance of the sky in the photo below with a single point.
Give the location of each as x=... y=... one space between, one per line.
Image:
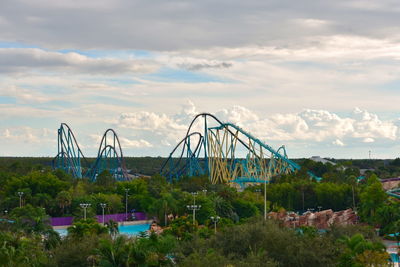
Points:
x=321 y=77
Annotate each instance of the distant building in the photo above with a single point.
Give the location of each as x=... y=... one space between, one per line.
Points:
x=322 y=160
x=363 y=171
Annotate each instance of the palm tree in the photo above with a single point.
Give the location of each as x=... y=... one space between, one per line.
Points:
x=64 y=199
x=396 y=229
x=112 y=228
x=114 y=253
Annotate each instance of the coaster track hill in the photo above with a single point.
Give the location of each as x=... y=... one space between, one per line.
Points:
x=226 y=153
x=71 y=159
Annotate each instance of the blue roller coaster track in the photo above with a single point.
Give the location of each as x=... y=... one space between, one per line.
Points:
x=71 y=159
x=226 y=153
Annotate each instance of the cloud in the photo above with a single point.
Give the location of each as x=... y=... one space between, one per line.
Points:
x=152 y=133
x=174 y=25
x=317 y=127
x=337 y=142
x=148 y=121
x=25 y=135
x=129 y=143
x=34 y=59
x=368 y=140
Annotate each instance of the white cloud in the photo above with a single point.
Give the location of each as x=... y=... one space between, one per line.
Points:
x=129 y=143
x=148 y=121
x=34 y=59
x=337 y=142
x=25 y=135
x=368 y=140
x=309 y=126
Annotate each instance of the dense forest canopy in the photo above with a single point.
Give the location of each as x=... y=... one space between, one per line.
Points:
x=243 y=237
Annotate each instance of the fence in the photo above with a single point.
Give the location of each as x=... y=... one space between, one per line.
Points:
x=118 y=217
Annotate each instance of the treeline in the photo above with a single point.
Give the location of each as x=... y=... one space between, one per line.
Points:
x=340 y=188
x=151 y=165
x=243 y=238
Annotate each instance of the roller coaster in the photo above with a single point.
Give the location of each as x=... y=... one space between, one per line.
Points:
x=226 y=153
x=71 y=159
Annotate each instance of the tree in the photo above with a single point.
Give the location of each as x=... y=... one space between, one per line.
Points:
x=152 y=251
x=105 y=180
x=19 y=250
x=77 y=253
x=64 y=199
x=363 y=252
x=372 y=197
x=86 y=227
x=31 y=219
x=396 y=231
x=114 y=253
x=245 y=209
x=112 y=227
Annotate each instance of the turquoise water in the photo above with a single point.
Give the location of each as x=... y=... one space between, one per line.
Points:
x=133 y=229
x=125 y=230
x=61 y=232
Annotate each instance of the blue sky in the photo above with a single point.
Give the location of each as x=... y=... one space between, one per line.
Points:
x=322 y=83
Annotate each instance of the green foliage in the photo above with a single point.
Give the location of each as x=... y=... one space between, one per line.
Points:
x=31 y=219
x=105 y=181
x=72 y=252
x=361 y=252
x=35 y=183
x=245 y=209
x=112 y=227
x=257 y=241
x=18 y=250
x=181 y=227
x=87 y=227
x=113 y=252
x=64 y=200
x=250 y=243
x=372 y=198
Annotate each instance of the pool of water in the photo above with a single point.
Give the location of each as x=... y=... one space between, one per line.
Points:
x=133 y=229
x=123 y=229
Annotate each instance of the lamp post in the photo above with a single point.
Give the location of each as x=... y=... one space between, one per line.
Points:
x=215 y=221
x=194 y=208
x=205 y=191
x=194 y=194
x=319 y=208
x=126 y=203
x=84 y=206
x=20 y=194
x=257 y=191
x=103 y=206
x=265 y=199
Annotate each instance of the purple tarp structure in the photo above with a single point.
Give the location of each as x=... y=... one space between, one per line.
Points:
x=59 y=221
x=118 y=217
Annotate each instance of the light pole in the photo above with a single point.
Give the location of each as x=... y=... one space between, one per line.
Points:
x=319 y=208
x=103 y=206
x=194 y=208
x=84 y=206
x=215 y=221
x=205 y=191
x=194 y=194
x=265 y=199
x=126 y=203
x=257 y=191
x=20 y=194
